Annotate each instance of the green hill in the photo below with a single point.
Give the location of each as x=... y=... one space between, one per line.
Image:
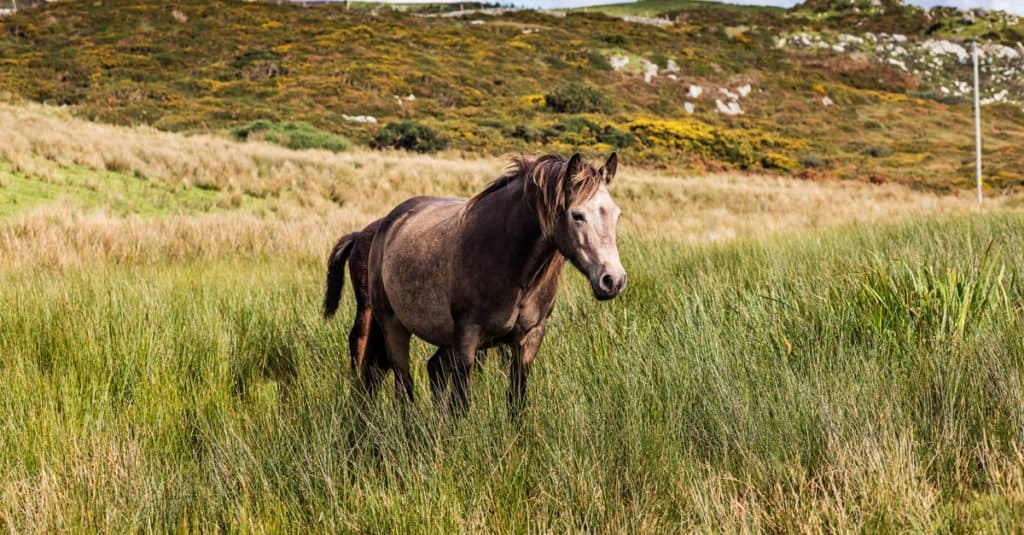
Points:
x=506 y=81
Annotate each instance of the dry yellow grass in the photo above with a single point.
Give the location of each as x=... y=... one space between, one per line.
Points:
x=308 y=198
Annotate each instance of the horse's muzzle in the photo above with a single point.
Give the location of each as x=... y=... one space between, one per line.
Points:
x=609 y=286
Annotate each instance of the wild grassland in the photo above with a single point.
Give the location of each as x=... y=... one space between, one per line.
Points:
x=741 y=386
x=77 y=193
x=789 y=356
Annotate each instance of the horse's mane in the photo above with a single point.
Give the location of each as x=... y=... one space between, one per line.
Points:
x=544 y=187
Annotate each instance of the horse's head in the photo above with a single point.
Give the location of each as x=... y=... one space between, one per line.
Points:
x=584 y=231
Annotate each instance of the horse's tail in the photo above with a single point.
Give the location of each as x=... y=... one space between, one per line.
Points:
x=336 y=273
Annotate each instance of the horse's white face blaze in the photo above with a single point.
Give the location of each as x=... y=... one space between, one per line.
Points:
x=586 y=236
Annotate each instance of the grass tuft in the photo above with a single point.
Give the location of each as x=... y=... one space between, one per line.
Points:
x=907 y=297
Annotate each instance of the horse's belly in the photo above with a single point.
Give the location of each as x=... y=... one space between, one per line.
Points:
x=425 y=312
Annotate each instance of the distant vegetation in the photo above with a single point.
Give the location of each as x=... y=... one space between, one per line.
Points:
x=409 y=135
x=520 y=82
x=291 y=135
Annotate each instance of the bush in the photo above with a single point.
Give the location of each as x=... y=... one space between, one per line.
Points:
x=257 y=64
x=659 y=59
x=615 y=137
x=613 y=39
x=778 y=161
x=598 y=61
x=813 y=161
x=296 y=136
x=577 y=125
x=576 y=98
x=409 y=135
x=527 y=133
x=878 y=151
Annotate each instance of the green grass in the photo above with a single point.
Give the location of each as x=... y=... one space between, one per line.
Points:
x=114 y=192
x=652 y=8
x=746 y=385
x=296 y=136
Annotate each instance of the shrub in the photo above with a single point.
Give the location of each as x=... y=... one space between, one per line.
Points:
x=813 y=161
x=296 y=135
x=409 y=135
x=598 y=61
x=615 y=137
x=576 y=98
x=778 y=161
x=258 y=64
x=577 y=125
x=527 y=133
x=878 y=151
x=739 y=148
x=660 y=59
x=613 y=39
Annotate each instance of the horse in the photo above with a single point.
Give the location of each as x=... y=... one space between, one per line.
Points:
x=470 y=274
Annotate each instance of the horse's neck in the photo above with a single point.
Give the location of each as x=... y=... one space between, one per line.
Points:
x=536 y=254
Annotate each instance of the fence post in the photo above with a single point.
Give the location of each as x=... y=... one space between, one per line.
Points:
x=977 y=121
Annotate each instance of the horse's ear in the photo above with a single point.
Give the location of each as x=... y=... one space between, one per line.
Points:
x=571 y=170
x=609 y=167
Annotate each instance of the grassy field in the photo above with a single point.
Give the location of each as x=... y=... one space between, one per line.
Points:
x=75 y=193
x=789 y=355
x=852 y=379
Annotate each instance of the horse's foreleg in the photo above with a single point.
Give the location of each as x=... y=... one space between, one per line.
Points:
x=524 y=351
x=465 y=354
x=439 y=367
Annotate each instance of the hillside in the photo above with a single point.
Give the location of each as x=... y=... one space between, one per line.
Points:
x=801 y=92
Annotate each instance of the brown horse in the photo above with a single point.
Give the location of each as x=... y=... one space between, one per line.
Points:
x=472 y=274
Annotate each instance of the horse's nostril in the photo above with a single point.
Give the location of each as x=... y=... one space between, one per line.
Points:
x=607 y=282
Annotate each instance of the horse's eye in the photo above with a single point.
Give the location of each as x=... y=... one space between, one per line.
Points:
x=578 y=217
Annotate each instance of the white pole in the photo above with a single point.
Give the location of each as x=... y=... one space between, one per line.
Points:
x=977 y=121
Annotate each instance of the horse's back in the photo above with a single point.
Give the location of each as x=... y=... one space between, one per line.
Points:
x=414 y=248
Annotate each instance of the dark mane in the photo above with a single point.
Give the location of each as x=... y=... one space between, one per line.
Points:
x=544 y=187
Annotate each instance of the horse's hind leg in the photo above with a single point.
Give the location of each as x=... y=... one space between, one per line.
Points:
x=359 y=337
x=396 y=339
x=373 y=362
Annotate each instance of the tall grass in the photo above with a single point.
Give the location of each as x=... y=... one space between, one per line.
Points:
x=743 y=386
